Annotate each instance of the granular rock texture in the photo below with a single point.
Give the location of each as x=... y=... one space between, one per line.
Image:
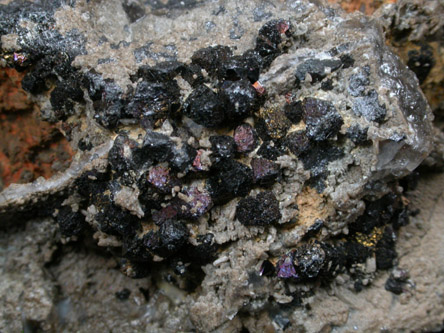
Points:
x=243 y=160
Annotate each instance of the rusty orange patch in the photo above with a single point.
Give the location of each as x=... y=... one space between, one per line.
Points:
x=29 y=148
x=364 y=6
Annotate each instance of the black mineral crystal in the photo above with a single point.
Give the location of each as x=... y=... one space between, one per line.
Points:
x=205 y=107
x=261 y=210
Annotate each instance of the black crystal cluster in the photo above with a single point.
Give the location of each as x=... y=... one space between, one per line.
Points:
x=161 y=170
x=223 y=92
x=174 y=186
x=371 y=236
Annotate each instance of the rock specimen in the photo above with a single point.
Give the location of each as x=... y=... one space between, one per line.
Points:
x=214 y=156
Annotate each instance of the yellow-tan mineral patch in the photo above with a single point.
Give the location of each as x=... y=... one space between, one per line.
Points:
x=312 y=206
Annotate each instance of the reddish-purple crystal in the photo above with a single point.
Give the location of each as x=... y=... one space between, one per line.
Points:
x=197 y=163
x=264 y=171
x=167 y=213
x=160 y=178
x=285 y=267
x=19 y=58
x=245 y=138
x=198 y=202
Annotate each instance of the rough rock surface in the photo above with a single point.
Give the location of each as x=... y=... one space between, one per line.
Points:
x=414 y=30
x=254 y=182
x=34 y=148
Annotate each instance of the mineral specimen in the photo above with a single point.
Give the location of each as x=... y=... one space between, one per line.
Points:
x=245 y=138
x=265 y=171
x=208 y=164
x=205 y=107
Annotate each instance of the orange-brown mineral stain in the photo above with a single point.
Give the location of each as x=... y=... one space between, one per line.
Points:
x=312 y=206
x=364 y=6
x=29 y=147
